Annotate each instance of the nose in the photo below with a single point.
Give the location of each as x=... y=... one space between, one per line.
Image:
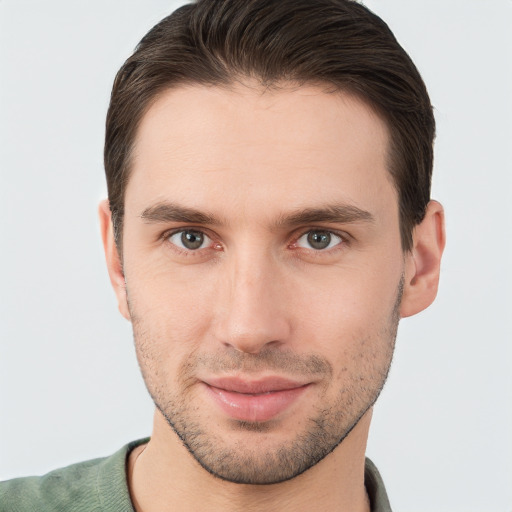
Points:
x=251 y=311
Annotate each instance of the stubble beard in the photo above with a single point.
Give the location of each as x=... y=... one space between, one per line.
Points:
x=246 y=462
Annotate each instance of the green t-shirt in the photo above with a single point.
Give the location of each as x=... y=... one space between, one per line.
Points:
x=100 y=485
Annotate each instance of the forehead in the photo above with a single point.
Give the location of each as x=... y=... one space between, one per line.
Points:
x=246 y=145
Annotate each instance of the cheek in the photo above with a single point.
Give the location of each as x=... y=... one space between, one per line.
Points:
x=170 y=310
x=350 y=314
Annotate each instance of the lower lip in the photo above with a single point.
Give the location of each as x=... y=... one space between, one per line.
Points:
x=255 y=407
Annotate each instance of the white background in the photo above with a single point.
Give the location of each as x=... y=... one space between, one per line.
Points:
x=69 y=383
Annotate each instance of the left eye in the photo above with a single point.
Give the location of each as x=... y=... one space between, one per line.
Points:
x=319 y=240
x=190 y=239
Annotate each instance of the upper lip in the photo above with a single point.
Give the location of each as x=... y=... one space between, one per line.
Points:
x=253 y=386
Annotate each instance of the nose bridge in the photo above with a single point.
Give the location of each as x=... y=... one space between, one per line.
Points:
x=252 y=313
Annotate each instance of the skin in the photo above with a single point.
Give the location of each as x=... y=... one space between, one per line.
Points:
x=256 y=299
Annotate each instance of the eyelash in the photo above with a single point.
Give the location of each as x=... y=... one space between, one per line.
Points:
x=165 y=237
x=344 y=241
x=341 y=245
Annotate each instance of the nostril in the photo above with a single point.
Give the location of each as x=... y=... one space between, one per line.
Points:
x=251 y=346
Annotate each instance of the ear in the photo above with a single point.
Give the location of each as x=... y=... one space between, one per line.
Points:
x=422 y=263
x=114 y=265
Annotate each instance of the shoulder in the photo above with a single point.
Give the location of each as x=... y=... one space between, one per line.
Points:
x=54 y=491
x=375 y=488
x=91 y=486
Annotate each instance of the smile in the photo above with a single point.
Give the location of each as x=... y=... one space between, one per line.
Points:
x=254 y=401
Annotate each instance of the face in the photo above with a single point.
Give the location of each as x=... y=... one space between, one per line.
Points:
x=263 y=270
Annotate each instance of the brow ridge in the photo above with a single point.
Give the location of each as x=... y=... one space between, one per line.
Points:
x=171 y=212
x=335 y=213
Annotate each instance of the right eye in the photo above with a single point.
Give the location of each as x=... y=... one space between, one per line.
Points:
x=190 y=239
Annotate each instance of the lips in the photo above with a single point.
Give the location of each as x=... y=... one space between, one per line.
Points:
x=254 y=400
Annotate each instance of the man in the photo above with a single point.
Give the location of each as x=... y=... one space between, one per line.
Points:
x=269 y=222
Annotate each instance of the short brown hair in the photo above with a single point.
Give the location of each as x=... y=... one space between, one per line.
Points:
x=339 y=43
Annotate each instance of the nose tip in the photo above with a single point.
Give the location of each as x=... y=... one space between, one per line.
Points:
x=254 y=341
x=251 y=310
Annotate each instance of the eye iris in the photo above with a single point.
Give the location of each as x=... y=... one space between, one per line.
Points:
x=192 y=239
x=319 y=239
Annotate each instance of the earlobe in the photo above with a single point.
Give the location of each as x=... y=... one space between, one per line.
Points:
x=422 y=263
x=114 y=265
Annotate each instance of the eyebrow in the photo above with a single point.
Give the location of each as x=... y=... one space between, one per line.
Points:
x=336 y=213
x=170 y=212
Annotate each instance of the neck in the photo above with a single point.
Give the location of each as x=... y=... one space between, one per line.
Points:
x=163 y=476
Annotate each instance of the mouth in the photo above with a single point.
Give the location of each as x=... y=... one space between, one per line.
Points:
x=254 y=400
